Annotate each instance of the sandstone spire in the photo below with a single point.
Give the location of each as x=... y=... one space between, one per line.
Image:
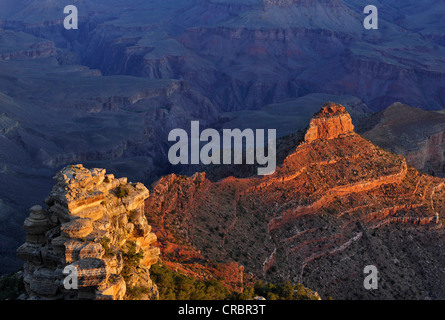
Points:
x=95 y=223
x=331 y=122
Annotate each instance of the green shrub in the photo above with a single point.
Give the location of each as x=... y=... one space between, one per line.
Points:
x=105 y=242
x=133 y=216
x=131 y=256
x=136 y=293
x=175 y=286
x=11 y=286
x=122 y=192
x=285 y=291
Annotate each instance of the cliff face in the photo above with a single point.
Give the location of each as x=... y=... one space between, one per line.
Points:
x=179 y=252
x=21 y=46
x=95 y=223
x=244 y=55
x=330 y=123
x=335 y=205
x=423 y=146
x=225 y=56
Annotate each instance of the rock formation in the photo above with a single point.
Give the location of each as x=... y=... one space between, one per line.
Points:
x=121 y=87
x=96 y=224
x=336 y=204
x=330 y=123
x=418 y=135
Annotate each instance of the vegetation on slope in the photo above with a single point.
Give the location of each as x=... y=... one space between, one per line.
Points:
x=175 y=286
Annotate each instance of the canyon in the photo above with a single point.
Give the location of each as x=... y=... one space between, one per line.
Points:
x=423 y=147
x=336 y=204
x=107 y=94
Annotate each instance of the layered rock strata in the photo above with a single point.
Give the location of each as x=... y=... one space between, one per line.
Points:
x=331 y=122
x=336 y=204
x=423 y=147
x=95 y=224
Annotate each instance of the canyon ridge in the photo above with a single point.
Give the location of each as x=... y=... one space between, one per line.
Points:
x=335 y=204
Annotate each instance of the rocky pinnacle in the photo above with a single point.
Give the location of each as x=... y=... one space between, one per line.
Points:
x=96 y=224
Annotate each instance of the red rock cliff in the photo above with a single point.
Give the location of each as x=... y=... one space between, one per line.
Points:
x=331 y=122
